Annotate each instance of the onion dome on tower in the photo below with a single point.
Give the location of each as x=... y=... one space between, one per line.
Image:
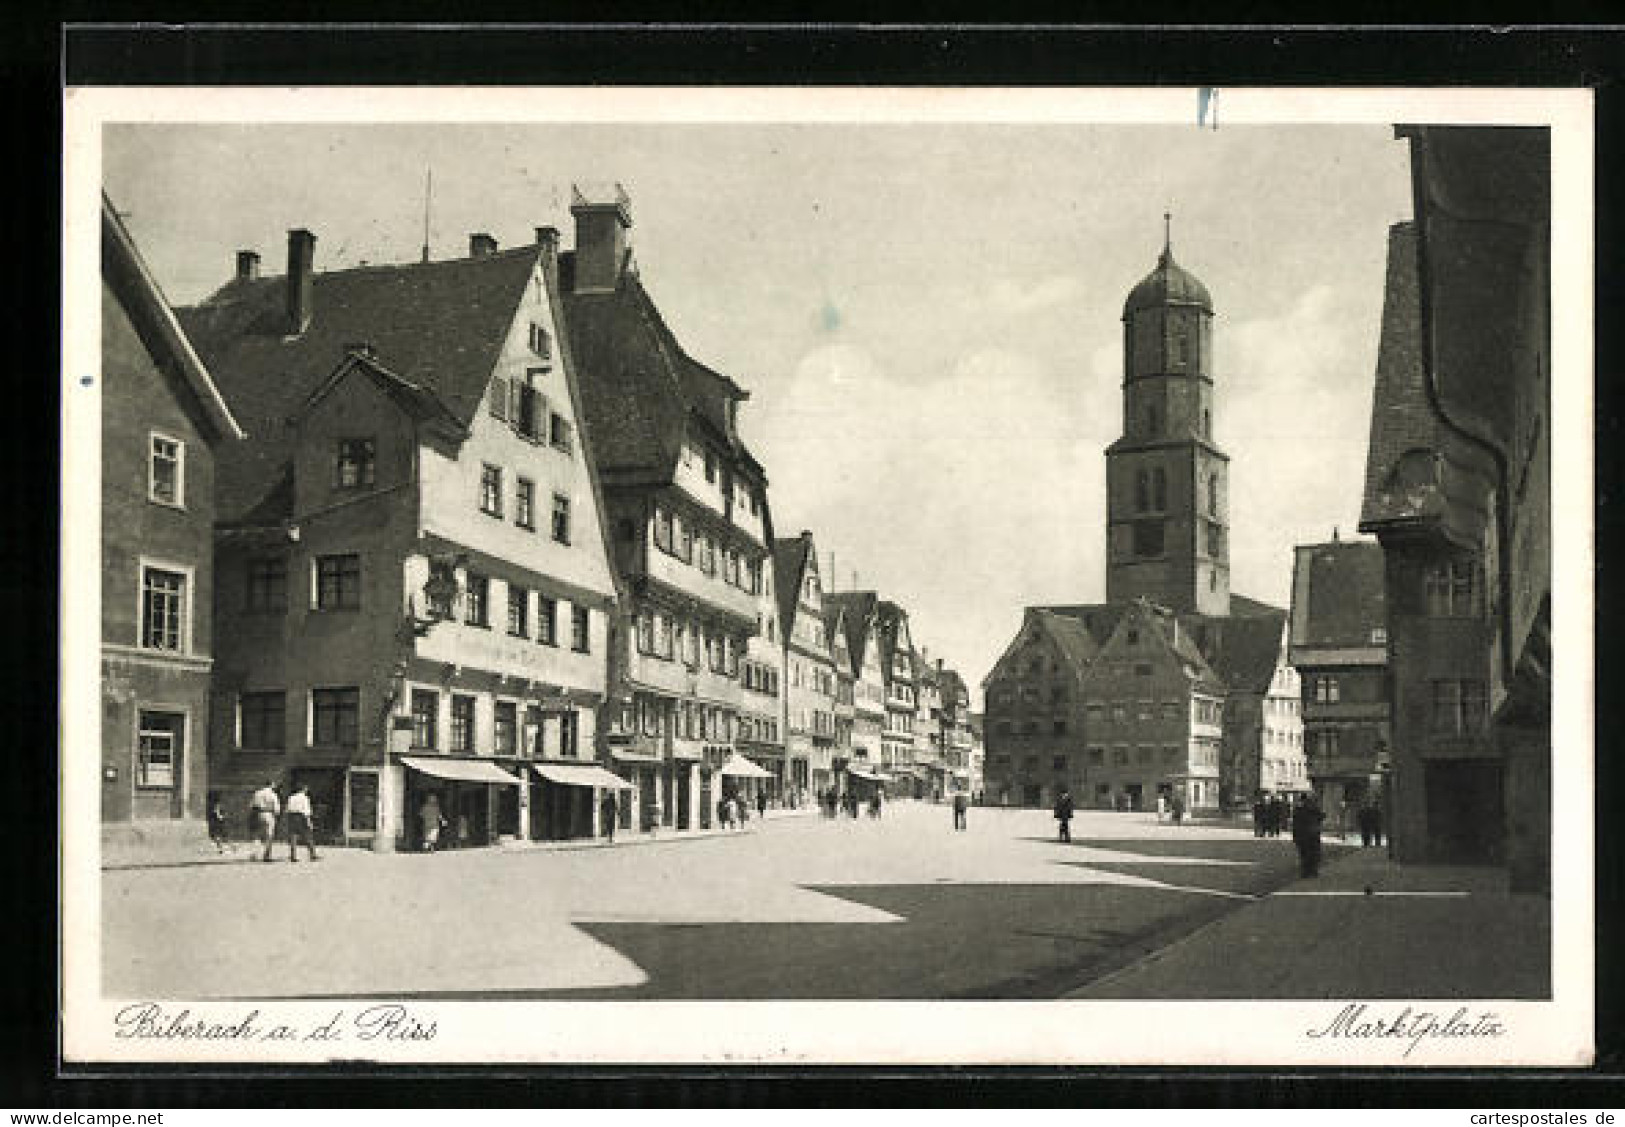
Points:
x=1168 y=284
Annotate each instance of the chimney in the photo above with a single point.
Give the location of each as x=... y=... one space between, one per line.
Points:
x=602 y=217
x=480 y=245
x=301 y=259
x=248 y=265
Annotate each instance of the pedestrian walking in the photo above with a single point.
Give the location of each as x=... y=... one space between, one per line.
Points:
x=1307 y=820
x=1063 y=814
x=1162 y=807
x=877 y=804
x=1258 y=815
x=608 y=812
x=959 y=810
x=264 y=807
x=1179 y=809
x=217 y=824
x=761 y=804
x=1376 y=823
x=725 y=812
x=299 y=823
x=431 y=822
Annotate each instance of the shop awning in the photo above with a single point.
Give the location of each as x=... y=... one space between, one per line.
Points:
x=861 y=773
x=740 y=767
x=583 y=776
x=630 y=755
x=961 y=773
x=460 y=770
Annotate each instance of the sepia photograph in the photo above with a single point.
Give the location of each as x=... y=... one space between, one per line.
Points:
x=996 y=577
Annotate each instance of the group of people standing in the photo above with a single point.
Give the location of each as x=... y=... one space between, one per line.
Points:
x=733 y=812
x=1272 y=815
x=834 y=803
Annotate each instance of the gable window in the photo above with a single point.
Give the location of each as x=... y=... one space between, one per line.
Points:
x=527 y=409
x=262 y=721
x=356 y=463
x=338 y=582
x=524 y=504
x=505 y=727
x=267 y=584
x=518 y=611
x=561 y=518
x=547 y=620
x=462 y=724
x=425 y=717
x=163 y=609
x=491 y=490
x=540 y=342
x=166 y=470
x=335 y=716
x=477 y=600
x=561 y=433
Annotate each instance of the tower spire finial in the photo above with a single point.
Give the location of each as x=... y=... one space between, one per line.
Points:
x=1167 y=232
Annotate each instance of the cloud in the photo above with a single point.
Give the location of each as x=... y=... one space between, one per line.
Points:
x=1010 y=296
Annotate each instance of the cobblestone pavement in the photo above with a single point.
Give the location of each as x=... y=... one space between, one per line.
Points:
x=792 y=908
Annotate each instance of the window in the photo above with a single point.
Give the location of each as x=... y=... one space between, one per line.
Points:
x=580 y=623
x=425 y=714
x=157 y=749
x=1120 y=755
x=1060 y=727
x=1142 y=669
x=646 y=633
x=1181 y=349
x=1153 y=420
x=685 y=541
x=528 y=409
x=547 y=620
x=166 y=471
x=540 y=343
x=663 y=527
x=163 y=609
x=562 y=433
x=262 y=721
x=1119 y=713
x=1059 y=764
x=1213 y=495
x=518 y=611
x=335 y=716
x=1146 y=711
x=1096 y=713
x=561 y=518
x=1207 y=423
x=569 y=734
x=1379 y=635
x=524 y=504
x=1326 y=741
x=1159 y=488
x=1327 y=690
x=1142 y=491
x=355 y=465
x=498 y=399
x=1097 y=757
x=267 y=584
x=491 y=490
x=477 y=601
x=708 y=556
x=664 y=643
x=1453 y=589
x=1215 y=540
x=1170 y=755
x=1458 y=708
x=1142 y=755
x=505 y=727
x=462 y=724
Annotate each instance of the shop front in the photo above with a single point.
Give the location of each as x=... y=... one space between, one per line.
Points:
x=740 y=778
x=475 y=802
x=641 y=768
x=567 y=797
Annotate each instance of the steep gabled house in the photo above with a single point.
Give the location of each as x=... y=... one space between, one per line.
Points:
x=1339 y=646
x=897 y=664
x=687 y=505
x=164 y=426
x=846 y=674
x=415 y=592
x=809 y=664
x=860 y=620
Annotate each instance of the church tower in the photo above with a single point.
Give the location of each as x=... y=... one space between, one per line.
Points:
x=1167 y=484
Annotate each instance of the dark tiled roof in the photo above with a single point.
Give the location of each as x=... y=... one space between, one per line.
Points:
x=440 y=325
x=1078 y=645
x=1243 y=651
x=890 y=618
x=860 y=609
x=1099 y=619
x=1337 y=593
x=640 y=387
x=1402 y=421
x=789 y=565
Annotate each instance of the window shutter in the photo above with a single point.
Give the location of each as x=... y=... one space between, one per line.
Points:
x=499 y=398
x=516 y=394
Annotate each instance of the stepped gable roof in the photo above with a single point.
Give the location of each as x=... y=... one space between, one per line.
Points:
x=440 y=325
x=640 y=387
x=789 y=566
x=1399 y=470
x=126 y=274
x=859 y=608
x=1338 y=594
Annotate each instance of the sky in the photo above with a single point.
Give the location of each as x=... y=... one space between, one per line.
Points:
x=927 y=316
